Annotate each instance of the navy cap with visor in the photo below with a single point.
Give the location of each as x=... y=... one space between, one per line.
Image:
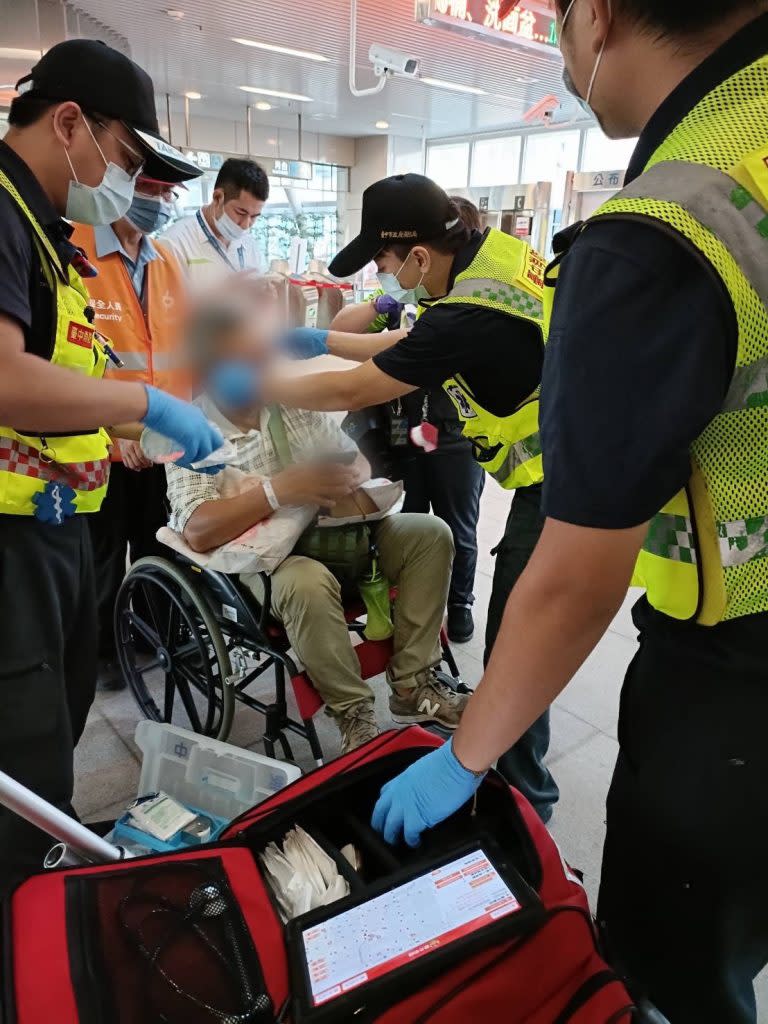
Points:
x=403 y=209
x=101 y=80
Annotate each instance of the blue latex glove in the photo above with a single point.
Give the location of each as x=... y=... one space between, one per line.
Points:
x=428 y=792
x=306 y=342
x=183 y=423
x=386 y=305
x=233 y=383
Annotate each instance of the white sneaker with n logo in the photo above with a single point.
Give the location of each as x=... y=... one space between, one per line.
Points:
x=431 y=701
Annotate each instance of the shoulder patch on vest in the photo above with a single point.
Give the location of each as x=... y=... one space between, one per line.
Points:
x=458 y=396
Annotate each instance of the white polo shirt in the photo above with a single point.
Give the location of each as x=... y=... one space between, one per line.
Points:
x=206 y=259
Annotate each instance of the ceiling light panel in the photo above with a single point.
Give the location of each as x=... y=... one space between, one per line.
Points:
x=453 y=86
x=277 y=95
x=303 y=54
x=14 y=53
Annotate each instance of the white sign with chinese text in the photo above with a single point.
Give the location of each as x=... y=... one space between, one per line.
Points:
x=598 y=181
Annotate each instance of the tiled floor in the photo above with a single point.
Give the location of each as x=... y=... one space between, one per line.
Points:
x=583 y=730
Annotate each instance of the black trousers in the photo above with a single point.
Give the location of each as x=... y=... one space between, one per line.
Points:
x=130 y=516
x=47 y=670
x=450 y=483
x=684 y=892
x=522 y=765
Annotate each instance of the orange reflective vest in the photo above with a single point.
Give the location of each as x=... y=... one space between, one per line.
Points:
x=148 y=344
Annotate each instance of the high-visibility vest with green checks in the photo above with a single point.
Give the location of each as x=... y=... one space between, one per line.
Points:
x=59 y=464
x=506 y=275
x=706 y=554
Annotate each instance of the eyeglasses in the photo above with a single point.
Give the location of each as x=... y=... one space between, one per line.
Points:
x=157 y=189
x=134 y=169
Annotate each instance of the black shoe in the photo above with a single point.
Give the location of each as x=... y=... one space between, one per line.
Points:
x=110 y=678
x=461 y=625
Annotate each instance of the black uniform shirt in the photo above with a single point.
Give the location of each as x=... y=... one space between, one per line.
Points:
x=24 y=291
x=499 y=357
x=641 y=354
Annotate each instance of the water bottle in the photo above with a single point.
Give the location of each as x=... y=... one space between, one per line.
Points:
x=374 y=590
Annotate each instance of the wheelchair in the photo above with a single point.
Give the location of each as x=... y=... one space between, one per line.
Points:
x=191 y=641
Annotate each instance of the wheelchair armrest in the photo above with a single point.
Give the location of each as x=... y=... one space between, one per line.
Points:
x=266 y=605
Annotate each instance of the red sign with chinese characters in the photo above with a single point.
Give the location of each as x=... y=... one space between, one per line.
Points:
x=80 y=334
x=529 y=23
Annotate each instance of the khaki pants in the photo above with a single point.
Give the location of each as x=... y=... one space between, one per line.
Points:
x=415 y=554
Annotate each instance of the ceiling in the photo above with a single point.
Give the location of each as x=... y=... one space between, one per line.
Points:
x=196 y=53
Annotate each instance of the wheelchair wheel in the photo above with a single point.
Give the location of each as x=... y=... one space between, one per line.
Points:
x=171 y=650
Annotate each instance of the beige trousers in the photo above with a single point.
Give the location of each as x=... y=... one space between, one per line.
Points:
x=415 y=554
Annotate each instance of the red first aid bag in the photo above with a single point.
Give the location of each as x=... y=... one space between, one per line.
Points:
x=195 y=937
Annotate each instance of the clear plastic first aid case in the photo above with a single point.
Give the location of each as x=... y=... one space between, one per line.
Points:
x=209 y=777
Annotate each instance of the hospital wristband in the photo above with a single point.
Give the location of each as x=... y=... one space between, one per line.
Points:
x=269 y=494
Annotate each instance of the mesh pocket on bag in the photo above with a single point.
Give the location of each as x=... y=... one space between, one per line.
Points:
x=162 y=943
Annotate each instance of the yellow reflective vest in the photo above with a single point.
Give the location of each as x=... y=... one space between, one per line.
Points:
x=706 y=554
x=506 y=275
x=30 y=462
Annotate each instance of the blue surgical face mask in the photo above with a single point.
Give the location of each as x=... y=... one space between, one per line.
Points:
x=233 y=383
x=103 y=203
x=149 y=213
x=390 y=285
x=568 y=83
x=571 y=89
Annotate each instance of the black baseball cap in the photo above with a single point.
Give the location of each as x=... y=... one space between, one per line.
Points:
x=102 y=80
x=406 y=208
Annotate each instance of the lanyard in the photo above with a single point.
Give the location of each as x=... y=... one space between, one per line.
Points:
x=217 y=246
x=397 y=408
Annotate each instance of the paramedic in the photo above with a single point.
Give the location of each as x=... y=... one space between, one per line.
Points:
x=63 y=157
x=138 y=302
x=480 y=338
x=217 y=241
x=654 y=425
x=448 y=481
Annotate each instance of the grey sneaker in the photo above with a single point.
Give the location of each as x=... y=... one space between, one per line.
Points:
x=433 y=701
x=357 y=725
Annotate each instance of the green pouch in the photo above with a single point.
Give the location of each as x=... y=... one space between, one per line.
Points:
x=345 y=550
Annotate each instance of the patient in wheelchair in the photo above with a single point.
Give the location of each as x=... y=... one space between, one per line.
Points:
x=231 y=347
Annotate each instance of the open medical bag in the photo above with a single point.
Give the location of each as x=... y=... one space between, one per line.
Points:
x=195 y=937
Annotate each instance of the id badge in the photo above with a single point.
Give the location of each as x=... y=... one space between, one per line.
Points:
x=398 y=431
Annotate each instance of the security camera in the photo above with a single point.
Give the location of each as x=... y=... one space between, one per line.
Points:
x=390 y=62
x=543 y=111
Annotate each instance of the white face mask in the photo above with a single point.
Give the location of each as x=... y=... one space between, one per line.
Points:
x=390 y=285
x=103 y=203
x=583 y=101
x=228 y=229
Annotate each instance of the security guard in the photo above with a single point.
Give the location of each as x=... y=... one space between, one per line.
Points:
x=655 y=434
x=81 y=129
x=481 y=339
x=138 y=298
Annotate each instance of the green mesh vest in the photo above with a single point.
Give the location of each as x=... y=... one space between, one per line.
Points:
x=506 y=275
x=706 y=554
